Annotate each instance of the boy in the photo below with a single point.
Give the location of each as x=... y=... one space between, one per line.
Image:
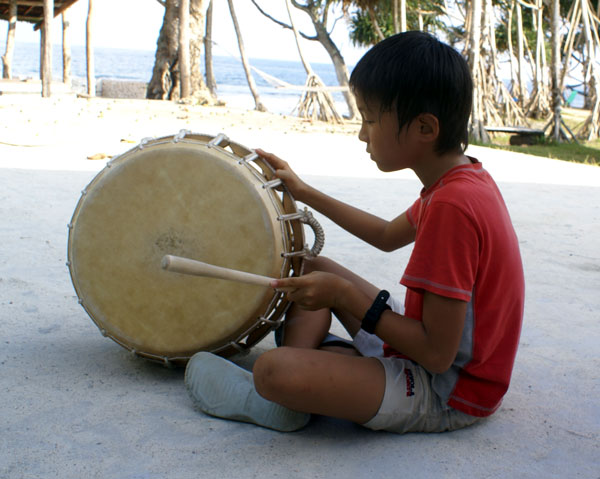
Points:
x=443 y=360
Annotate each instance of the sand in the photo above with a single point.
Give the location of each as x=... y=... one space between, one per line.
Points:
x=75 y=404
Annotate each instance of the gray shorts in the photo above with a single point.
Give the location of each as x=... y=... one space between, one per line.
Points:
x=409 y=403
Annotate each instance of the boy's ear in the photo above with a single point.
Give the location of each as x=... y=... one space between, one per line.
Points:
x=428 y=126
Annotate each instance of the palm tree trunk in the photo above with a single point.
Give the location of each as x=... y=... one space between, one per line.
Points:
x=251 y=84
x=166 y=74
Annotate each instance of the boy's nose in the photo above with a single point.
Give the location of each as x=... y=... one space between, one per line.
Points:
x=362 y=134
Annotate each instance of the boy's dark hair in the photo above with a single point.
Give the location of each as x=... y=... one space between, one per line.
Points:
x=415 y=73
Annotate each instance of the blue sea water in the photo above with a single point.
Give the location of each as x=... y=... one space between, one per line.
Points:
x=137 y=65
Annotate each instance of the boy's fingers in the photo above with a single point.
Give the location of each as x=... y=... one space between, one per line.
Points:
x=270 y=157
x=264 y=154
x=285 y=284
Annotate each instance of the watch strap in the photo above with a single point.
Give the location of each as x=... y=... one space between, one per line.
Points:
x=373 y=314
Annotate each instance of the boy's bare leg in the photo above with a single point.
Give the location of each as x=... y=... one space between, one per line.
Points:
x=308 y=329
x=321 y=382
x=302 y=377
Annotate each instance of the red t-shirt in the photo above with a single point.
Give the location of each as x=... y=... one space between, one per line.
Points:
x=466 y=248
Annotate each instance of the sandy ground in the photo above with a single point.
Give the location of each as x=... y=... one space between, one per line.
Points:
x=74 y=404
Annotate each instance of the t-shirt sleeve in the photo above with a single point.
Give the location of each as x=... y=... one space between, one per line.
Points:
x=412 y=213
x=445 y=256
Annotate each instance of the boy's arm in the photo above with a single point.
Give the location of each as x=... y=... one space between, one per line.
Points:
x=432 y=342
x=383 y=234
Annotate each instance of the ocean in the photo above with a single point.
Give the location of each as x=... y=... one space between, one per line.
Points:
x=137 y=65
x=232 y=86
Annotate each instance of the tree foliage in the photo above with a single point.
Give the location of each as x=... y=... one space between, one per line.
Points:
x=363 y=33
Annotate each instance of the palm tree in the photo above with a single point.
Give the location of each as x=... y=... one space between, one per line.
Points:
x=373 y=20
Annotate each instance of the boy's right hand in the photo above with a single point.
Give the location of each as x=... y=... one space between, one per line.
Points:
x=294 y=184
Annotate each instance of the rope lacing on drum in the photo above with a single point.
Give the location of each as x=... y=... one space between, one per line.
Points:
x=306 y=217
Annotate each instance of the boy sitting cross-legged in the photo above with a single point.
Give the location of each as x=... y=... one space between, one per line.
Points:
x=444 y=358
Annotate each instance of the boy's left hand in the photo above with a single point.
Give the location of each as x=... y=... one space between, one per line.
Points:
x=314 y=291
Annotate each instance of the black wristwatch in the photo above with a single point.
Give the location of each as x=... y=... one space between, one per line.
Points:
x=373 y=315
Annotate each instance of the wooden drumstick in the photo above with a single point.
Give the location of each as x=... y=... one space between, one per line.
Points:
x=178 y=264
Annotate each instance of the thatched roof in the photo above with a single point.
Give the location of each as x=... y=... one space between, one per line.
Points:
x=32 y=11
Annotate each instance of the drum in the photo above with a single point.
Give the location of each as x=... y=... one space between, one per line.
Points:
x=196 y=196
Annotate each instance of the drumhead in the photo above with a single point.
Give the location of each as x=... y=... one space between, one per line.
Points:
x=183 y=198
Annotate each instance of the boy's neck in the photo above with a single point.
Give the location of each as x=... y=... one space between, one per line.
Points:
x=431 y=169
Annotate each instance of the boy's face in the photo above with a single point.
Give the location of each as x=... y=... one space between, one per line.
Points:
x=389 y=149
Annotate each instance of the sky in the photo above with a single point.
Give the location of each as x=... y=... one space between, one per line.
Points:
x=262 y=38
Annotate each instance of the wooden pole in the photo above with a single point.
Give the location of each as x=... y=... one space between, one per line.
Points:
x=10 y=40
x=66 y=48
x=89 y=50
x=47 y=48
x=184 y=48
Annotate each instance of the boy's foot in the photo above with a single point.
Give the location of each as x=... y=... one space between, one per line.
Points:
x=220 y=388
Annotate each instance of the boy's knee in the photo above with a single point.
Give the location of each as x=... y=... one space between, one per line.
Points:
x=270 y=373
x=318 y=263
